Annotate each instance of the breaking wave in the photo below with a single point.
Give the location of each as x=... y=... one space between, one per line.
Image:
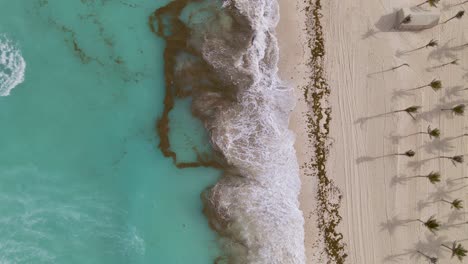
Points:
x=227 y=62
x=12 y=66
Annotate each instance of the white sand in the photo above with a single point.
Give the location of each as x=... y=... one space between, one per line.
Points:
x=375 y=206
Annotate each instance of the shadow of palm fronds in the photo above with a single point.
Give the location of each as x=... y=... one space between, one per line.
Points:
x=432 y=245
x=417 y=164
x=454 y=91
x=392 y=224
x=444 y=52
x=444 y=193
x=438 y=145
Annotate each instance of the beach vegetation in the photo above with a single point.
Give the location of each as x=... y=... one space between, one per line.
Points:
x=406 y=20
x=454 y=62
x=410 y=153
x=412 y=110
x=431 y=44
x=432 y=3
x=433 y=177
x=457 y=250
x=454 y=159
x=456 y=204
x=435 y=85
x=458 y=110
x=433 y=133
x=431 y=224
x=459 y=15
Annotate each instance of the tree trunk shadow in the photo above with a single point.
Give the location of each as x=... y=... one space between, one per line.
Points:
x=444 y=193
x=417 y=164
x=372 y=158
x=361 y=121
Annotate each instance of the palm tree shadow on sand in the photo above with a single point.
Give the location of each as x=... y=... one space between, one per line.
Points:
x=400 y=94
x=445 y=52
x=456 y=216
x=372 y=158
x=392 y=224
x=430 y=245
x=447 y=7
x=438 y=145
x=444 y=193
x=385 y=23
x=399 y=180
x=421 y=205
x=436 y=112
x=415 y=165
x=465 y=76
x=361 y=121
x=452 y=92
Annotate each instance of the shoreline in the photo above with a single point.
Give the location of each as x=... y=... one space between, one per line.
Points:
x=293 y=69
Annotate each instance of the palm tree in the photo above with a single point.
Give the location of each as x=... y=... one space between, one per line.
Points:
x=457 y=179
x=434 y=84
x=432 y=224
x=433 y=133
x=399 y=66
x=458 y=110
x=459 y=15
x=432 y=3
x=410 y=111
x=430 y=44
x=410 y=153
x=454 y=159
x=454 y=62
x=433 y=177
x=456 y=204
x=432 y=260
x=457 y=250
x=406 y=20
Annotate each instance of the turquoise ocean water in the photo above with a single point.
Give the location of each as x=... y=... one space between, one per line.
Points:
x=81 y=178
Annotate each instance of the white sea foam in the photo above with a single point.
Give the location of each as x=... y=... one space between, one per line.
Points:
x=259 y=199
x=12 y=66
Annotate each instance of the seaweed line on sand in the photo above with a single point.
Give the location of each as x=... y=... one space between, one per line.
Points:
x=316 y=94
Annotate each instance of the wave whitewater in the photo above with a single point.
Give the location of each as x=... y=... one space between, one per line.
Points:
x=12 y=66
x=227 y=62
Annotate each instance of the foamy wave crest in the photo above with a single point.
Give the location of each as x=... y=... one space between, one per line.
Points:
x=12 y=66
x=227 y=53
x=255 y=204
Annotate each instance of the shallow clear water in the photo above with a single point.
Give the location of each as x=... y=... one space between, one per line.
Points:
x=81 y=178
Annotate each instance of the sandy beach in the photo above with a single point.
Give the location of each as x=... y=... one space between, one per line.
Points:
x=379 y=201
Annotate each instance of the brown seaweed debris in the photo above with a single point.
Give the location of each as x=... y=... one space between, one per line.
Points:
x=316 y=94
x=165 y=22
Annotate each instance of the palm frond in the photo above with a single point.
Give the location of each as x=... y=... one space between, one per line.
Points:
x=432 y=224
x=432 y=43
x=459 y=251
x=436 y=85
x=457 y=204
x=459 y=109
x=433 y=133
x=433 y=177
x=458 y=159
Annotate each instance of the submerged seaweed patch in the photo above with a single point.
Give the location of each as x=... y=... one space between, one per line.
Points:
x=166 y=23
x=316 y=94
